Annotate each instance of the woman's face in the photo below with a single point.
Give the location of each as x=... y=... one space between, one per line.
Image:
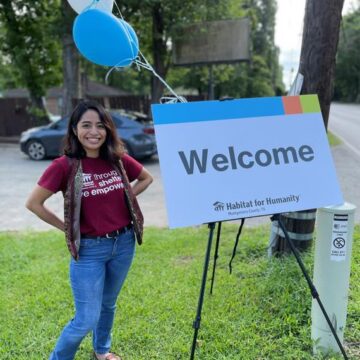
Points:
x=91 y=133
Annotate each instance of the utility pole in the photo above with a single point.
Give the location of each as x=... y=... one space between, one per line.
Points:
x=317 y=65
x=318 y=50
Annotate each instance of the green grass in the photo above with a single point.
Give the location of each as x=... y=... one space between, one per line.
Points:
x=333 y=139
x=261 y=311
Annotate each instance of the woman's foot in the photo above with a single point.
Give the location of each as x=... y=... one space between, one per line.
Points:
x=107 y=356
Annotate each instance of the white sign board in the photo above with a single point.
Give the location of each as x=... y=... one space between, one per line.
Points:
x=224 y=160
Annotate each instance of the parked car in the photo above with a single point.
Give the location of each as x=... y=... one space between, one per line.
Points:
x=141 y=118
x=46 y=141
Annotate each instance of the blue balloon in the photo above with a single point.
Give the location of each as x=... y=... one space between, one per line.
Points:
x=104 y=39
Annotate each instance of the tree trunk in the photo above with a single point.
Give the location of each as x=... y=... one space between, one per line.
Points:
x=317 y=65
x=159 y=53
x=71 y=66
x=37 y=111
x=318 y=51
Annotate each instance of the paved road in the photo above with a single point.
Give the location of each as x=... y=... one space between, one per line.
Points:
x=18 y=175
x=345 y=123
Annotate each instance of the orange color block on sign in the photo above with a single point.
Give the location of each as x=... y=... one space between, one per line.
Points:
x=292 y=104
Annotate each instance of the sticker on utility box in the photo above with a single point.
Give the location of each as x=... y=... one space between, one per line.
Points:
x=339 y=237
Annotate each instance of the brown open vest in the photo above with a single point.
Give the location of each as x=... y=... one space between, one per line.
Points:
x=72 y=206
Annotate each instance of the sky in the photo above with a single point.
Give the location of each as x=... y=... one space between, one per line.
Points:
x=288 y=34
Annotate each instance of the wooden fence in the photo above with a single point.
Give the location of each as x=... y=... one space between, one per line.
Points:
x=14 y=117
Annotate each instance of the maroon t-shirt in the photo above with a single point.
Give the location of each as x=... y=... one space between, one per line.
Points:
x=103 y=204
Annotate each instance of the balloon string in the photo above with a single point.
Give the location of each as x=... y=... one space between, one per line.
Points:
x=147 y=66
x=91 y=5
x=118 y=66
x=127 y=32
x=129 y=38
x=118 y=9
x=108 y=74
x=141 y=61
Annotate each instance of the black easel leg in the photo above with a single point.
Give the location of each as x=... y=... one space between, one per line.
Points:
x=197 y=321
x=311 y=285
x=216 y=255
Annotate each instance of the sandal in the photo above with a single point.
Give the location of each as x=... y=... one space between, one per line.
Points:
x=110 y=356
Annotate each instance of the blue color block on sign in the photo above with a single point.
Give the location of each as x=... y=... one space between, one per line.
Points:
x=216 y=110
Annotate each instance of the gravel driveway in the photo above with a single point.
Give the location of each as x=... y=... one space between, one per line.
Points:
x=19 y=175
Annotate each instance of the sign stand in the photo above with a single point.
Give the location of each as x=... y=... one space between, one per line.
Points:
x=196 y=324
x=314 y=293
x=291 y=150
x=216 y=255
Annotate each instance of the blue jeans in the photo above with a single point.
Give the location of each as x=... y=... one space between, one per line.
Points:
x=96 y=279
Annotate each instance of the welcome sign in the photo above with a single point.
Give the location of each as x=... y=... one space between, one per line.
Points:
x=224 y=160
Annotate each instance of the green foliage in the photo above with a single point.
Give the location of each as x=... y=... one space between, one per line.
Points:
x=9 y=74
x=333 y=139
x=261 y=77
x=31 y=49
x=156 y=23
x=28 y=44
x=347 y=80
x=261 y=311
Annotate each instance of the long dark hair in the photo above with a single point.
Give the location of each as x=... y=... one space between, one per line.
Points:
x=112 y=149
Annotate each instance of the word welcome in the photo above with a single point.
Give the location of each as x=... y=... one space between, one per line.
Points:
x=244 y=159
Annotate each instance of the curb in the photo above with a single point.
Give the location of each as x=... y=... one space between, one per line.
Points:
x=9 y=139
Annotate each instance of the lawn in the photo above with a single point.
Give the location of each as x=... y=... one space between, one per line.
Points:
x=333 y=139
x=260 y=311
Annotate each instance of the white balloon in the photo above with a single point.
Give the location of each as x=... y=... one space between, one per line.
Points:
x=80 y=5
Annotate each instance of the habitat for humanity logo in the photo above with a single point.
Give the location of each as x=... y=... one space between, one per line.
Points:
x=218 y=206
x=87 y=181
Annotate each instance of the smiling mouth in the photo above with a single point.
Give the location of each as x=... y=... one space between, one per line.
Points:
x=93 y=140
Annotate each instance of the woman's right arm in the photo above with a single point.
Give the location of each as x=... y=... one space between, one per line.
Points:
x=35 y=203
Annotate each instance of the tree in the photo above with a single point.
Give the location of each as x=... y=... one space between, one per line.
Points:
x=29 y=27
x=262 y=76
x=317 y=65
x=9 y=74
x=48 y=27
x=70 y=60
x=318 y=50
x=347 y=79
x=157 y=23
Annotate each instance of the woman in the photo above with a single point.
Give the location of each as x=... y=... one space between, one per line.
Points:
x=100 y=214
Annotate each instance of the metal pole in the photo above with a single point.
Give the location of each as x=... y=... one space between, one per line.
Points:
x=211 y=94
x=196 y=324
x=216 y=255
x=312 y=288
x=335 y=226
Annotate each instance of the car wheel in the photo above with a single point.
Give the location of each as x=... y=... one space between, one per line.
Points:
x=36 y=150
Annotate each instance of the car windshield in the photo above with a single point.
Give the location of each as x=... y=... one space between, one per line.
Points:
x=61 y=124
x=122 y=121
